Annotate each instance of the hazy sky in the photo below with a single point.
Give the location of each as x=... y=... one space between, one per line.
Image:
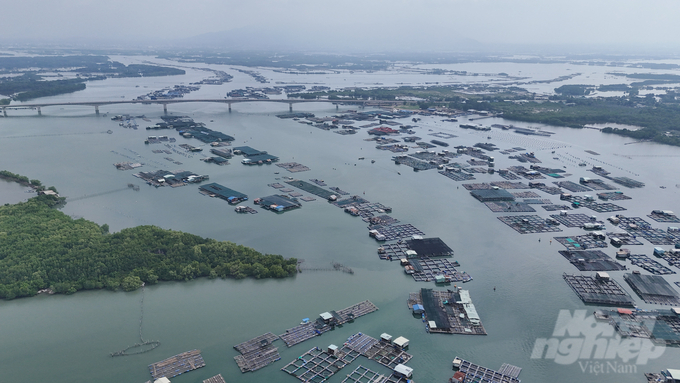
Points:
x=633 y=22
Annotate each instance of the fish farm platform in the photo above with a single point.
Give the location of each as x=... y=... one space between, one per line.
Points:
x=574 y=220
x=556 y=207
x=649 y=264
x=572 y=186
x=591 y=260
x=599 y=207
x=509 y=176
x=303 y=332
x=215 y=379
x=256 y=359
x=362 y=374
x=509 y=207
x=581 y=242
x=537 y=201
x=626 y=238
x=641 y=228
x=476 y=373
x=664 y=218
x=427 y=270
x=339 y=191
x=672 y=259
x=451 y=312
x=256 y=343
x=550 y=190
x=317 y=366
x=613 y=196
x=293 y=167
x=662 y=326
x=457 y=176
x=309 y=188
x=176 y=365
x=529 y=224
x=525 y=194
x=653 y=289
x=599 y=291
x=395 y=232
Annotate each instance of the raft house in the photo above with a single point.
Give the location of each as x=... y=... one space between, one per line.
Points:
x=278 y=203
x=223 y=192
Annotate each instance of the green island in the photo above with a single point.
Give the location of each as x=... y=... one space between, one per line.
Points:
x=658 y=119
x=41 y=248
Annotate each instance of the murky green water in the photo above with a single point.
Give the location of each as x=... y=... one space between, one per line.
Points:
x=69 y=338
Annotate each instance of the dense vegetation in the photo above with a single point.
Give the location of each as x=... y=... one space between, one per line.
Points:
x=85 y=64
x=30 y=86
x=41 y=248
x=659 y=120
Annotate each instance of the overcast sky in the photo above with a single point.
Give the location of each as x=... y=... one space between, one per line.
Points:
x=361 y=23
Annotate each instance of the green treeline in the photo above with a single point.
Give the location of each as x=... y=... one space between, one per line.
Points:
x=30 y=86
x=41 y=247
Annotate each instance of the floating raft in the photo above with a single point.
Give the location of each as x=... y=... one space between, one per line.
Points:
x=305 y=331
x=176 y=365
x=574 y=220
x=649 y=264
x=476 y=373
x=293 y=167
x=653 y=289
x=256 y=359
x=529 y=224
x=509 y=207
x=599 y=291
x=317 y=366
x=215 y=379
x=451 y=311
x=591 y=260
x=256 y=343
x=362 y=374
x=581 y=242
x=310 y=188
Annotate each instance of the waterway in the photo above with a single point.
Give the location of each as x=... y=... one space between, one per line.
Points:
x=68 y=338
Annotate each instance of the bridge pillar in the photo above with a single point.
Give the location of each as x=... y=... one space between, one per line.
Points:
x=96 y=110
x=290 y=106
x=39 y=112
x=337 y=106
x=230 y=107
x=4 y=111
x=165 y=108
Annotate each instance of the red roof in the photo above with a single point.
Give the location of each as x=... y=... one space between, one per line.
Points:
x=625 y=311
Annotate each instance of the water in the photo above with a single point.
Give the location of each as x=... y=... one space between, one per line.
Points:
x=69 y=338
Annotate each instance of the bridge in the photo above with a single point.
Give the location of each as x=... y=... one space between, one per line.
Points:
x=165 y=102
